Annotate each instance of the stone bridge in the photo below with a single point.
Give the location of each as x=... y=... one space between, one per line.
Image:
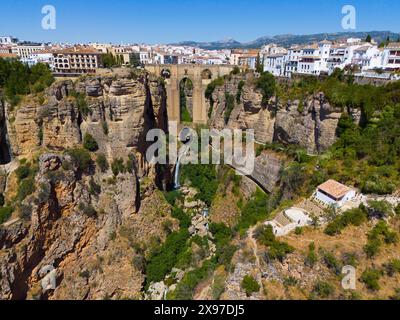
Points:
x=200 y=75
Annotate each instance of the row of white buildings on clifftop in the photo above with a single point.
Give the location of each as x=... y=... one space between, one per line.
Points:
x=326 y=56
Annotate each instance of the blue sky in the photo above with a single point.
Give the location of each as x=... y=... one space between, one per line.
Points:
x=156 y=21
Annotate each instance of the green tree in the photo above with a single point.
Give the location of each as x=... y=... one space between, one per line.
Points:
x=368 y=39
x=89 y=143
x=102 y=162
x=250 y=285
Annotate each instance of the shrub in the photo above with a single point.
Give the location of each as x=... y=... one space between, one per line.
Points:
x=290 y=281
x=88 y=210
x=377 y=236
x=298 y=231
x=323 y=289
x=5 y=214
x=253 y=211
x=164 y=258
x=23 y=172
x=266 y=83
x=353 y=217
x=172 y=196
x=102 y=162
x=312 y=257
x=117 y=166
x=89 y=143
x=81 y=157
x=332 y=263
x=94 y=188
x=397 y=210
x=203 y=178
x=379 y=209
x=250 y=285
x=25 y=188
x=371 y=278
x=1 y=200
x=104 y=125
x=277 y=250
x=392 y=267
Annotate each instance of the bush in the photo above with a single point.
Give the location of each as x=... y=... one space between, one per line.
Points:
x=266 y=83
x=397 y=210
x=81 y=157
x=163 y=259
x=392 y=267
x=377 y=236
x=332 y=263
x=311 y=258
x=250 y=285
x=277 y=250
x=298 y=231
x=254 y=211
x=102 y=162
x=1 y=200
x=88 y=210
x=23 y=172
x=203 y=178
x=379 y=209
x=172 y=196
x=354 y=217
x=5 y=214
x=25 y=188
x=89 y=143
x=117 y=166
x=94 y=188
x=323 y=289
x=185 y=288
x=371 y=279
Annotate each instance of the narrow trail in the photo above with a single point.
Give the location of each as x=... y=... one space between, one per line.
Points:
x=254 y=246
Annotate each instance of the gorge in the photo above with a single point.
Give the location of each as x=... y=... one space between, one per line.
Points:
x=80 y=196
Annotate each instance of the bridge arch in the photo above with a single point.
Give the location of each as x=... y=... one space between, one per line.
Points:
x=200 y=75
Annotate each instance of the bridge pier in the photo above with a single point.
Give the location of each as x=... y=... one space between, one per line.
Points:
x=200 y=75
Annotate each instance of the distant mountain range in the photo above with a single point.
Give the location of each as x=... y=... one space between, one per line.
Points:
x=287 y=40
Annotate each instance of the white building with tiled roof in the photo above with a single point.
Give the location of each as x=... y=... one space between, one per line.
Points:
x=333 y=193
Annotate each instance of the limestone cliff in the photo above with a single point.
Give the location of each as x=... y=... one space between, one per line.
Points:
x=85 y=222
x=310 y=123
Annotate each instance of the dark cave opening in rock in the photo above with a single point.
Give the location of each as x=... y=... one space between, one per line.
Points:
x=5 y=153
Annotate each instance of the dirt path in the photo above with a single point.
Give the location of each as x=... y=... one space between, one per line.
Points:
x=253 y=242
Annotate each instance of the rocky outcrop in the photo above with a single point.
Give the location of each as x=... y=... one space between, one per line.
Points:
x=267 y=170
x=117 y=112
x=90 y=225
x=313 y=128
x=310 y=124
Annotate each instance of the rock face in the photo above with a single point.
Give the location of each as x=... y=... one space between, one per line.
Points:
x=312 y=126
x=267 y=169
x=116 y=112
x=84 y=223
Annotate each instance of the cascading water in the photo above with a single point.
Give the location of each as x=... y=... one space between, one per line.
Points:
x=185 y=137
x=182 y=153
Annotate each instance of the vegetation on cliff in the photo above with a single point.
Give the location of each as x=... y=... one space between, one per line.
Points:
x=19 y=79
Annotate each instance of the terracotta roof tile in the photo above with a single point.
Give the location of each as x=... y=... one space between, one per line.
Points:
x=334 y=188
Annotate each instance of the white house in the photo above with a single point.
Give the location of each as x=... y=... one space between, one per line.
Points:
x=275 y=64
x=391 y=57
x=288 y=220
x=333 y=193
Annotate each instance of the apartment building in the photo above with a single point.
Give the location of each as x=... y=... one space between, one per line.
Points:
x=245 y=57
x=391 y=57
x=26 y=50
x=76 y=61
x=7 y=40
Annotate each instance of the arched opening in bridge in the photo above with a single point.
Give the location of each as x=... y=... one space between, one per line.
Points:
x=186 y=100
x=206 y=74
x=165 y=73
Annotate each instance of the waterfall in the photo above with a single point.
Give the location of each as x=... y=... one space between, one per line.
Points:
x=182 y=153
